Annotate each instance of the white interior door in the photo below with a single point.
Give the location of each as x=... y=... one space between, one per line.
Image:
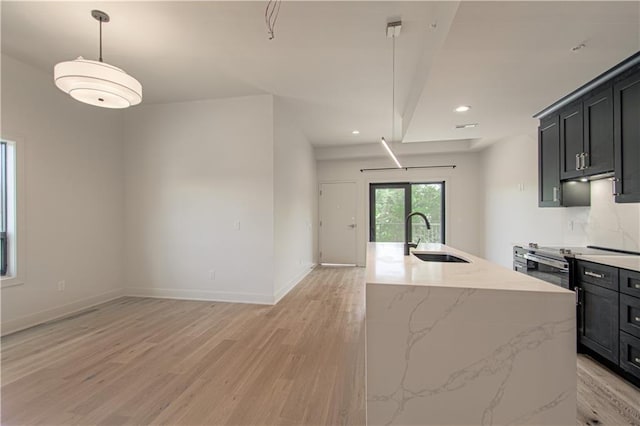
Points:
x=338 y=223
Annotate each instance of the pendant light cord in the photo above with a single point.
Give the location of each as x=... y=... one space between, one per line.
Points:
x=271 y=16
x=393 y=89
x=100 y=59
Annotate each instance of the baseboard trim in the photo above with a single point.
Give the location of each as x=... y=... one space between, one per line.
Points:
x=203 y=295
x=28 y=321
x=293 y=283
x=31 y=320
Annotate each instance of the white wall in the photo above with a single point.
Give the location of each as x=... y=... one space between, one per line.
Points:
x=194 y=172
x=463 y=198
x=295 y=202
x=73 y=198
x=513 y=216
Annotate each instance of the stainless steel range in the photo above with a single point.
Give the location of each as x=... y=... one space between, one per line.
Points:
x=552 y=264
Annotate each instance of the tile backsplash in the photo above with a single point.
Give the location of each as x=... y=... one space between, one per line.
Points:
x=605 y=223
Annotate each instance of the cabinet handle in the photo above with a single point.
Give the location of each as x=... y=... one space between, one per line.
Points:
x=614 y=182
x=577 y=161
x=555 y=194
x=637 y=360
x=637 y=286
x=593 y=274
x=583 y=159
x=637 y=319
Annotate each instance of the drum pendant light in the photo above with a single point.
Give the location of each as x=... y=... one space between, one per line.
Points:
x=96 y=82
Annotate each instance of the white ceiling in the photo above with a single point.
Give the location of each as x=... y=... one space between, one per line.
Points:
x=331 y=61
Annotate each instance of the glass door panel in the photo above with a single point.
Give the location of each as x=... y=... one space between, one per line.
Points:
x=389 y=214
x=427 y=198
x=391 y=203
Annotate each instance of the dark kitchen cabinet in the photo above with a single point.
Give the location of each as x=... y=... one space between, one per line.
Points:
x=626 y=138
x=586 y=135
x=549 y=162
x=598 y=131
x=630 y=315
x=571 y=141
x=597 y=274
x=551 y=191
x=609 y=315
x=598 y=320
x=630 y=282
x=630 y=354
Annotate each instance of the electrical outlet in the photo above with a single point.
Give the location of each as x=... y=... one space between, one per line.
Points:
x=61 y=285
x=212 y=275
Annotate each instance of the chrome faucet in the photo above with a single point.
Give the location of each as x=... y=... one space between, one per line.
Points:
x=407 y=244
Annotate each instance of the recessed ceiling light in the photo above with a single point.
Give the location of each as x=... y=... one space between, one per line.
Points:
x=356 y=132
x=466 y=126
x=463 y=108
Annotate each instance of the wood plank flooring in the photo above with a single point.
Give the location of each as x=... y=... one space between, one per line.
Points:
x=603 y=397
x=153 y=361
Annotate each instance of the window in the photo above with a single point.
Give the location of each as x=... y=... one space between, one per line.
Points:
x=8 y=214
x=391 y=203
x=3 y=210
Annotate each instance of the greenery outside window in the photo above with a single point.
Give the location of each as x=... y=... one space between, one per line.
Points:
x=4 y=262
x=391 y=203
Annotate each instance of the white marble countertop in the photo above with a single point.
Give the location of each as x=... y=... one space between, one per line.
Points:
x=387 y=264
x=631 y=262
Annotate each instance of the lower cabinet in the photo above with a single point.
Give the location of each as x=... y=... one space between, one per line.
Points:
x=609 y=314
x=598 y=321
x=630 y=315
x=630 y=354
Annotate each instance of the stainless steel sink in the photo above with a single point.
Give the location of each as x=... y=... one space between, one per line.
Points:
x=439 y=257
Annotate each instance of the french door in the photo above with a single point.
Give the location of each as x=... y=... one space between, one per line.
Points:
x=391 y=203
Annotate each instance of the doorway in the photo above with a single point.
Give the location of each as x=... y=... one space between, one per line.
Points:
x=391 y=203
x=338 y=223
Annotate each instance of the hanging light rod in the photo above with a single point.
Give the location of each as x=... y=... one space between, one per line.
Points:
x=448 y=166
x=393 y=31
x=391 y=154
x=96 y=82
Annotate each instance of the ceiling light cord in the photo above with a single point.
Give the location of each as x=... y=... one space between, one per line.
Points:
x=393 y=89
x=100 y=58
x=271 y=13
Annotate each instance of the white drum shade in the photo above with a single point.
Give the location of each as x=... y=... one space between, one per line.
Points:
x=97 y=83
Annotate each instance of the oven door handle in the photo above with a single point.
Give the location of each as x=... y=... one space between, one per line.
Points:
x=549 y=262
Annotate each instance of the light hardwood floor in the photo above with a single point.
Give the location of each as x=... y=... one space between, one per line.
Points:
x=153 y=361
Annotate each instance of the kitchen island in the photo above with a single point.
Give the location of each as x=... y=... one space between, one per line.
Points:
x=465 y=343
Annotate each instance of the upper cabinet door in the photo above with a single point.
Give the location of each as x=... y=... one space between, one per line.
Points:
x=598 y=131
x=571 y=144
x=626 y=139
x=549 y=162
